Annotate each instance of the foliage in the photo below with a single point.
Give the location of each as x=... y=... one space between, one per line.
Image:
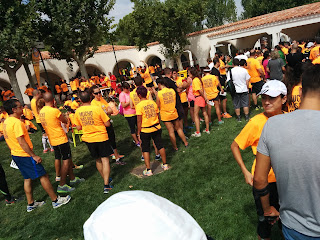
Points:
x=253 y=8
x=75 y=28
x=219 y=12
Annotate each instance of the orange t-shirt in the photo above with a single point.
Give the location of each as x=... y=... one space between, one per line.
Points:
x=183 y=94
x=64 y=87
x=210 y=86
x=316 y=61
x=28 y=91
x=250 y=135
x=148 y=109
x=146 y=76
x=92 y=119
x=168 y=111
x=253 y=65
x=74 y=105
x=30 y=124
x=28 y=113
x=58 y=88
x=12 y=129
x=196 y=86
x=34 y=109
x=314 y=53
x=222 y=70
x=44 y=88
x=49 y=118
x=4 y=115
x=151 y=69
x=134 y=97
x=102 y=104
x=7 y=95
x=73 y=85
x=296 y=98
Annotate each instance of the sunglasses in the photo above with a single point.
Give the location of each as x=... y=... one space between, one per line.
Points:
x=96 y=93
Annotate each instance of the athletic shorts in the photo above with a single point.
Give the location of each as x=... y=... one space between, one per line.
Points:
x=199 y=101
x=62 y=152
x=132 y=121
x=256 y=87
x=42 y=129
x=99 y=149
x=146 y=137
x=191 y=103
x=217 y=98
x=29 y=167
x=150 y=84
x=264 y=227
x=171 y=120
x=185 y=105
x=240 y=100
x=112 y=136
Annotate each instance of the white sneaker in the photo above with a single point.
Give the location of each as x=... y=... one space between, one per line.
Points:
x=206 y=131
x=195 y=134
x=61 y=201
x=35 y=205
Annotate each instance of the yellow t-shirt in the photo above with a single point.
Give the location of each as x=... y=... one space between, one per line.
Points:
x=151 y=69
x=12 y=129
x=28 y=113
x=67 y=103
x=168 y=111
x=49 y=118
x=102 y=104
x=4 y=115
x=71 y=119
x=134 y=97
x=183 y=94
x=250 y=135
x=74 y=105
x=30 y=124
x=285 y=50
x=302 y=47
x=73 y=85
x=1 y=127
x=253 y=66
x=196 y=86
x=222 y=71
x=33 y=104
x=92 y=119
x=148 y=109
x=296 y=99
x=146 y=76
x=210 y=84
x=314 y=53
x=316 y=61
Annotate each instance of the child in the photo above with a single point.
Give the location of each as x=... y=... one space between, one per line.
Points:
x=27 y=112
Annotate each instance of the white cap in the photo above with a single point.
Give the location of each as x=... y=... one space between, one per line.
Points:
x=310 y=44
x=141 y=215
x=273 y=88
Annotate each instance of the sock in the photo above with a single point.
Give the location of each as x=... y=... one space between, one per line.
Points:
x=148 y=169
x=197 y=132
x=107 y=186
x=44 y=141
x=158 y=155
x=55 y=200
x=47 y=139
x=31 y=204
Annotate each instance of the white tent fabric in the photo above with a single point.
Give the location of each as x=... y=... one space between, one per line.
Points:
x=141 y=215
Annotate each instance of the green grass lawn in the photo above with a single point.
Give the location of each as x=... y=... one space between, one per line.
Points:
x=204 y=179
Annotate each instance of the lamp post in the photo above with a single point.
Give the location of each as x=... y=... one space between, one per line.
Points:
x=115 y=58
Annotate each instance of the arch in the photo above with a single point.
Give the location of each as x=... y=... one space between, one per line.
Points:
x=122 y=64
x=53 y=77
x=92 y=70
x=226 y=48
x=153 y=60
x=4 y=84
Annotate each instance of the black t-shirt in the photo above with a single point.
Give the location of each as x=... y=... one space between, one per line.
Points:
x=294 y=58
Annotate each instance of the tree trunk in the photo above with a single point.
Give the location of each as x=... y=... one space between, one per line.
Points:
x=14 y=83
x=82 y=68
x=179 y=63
x=31 y=80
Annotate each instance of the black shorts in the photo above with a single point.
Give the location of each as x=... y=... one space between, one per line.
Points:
x=62 y=152
x=191 y=103
x=240 y=100
x=150 y=84
x=42 y=129
x=99 y=149
x=216 y=99
x=132 y=121
x=264 y=227
x=185 y=105
x=223 y=79
x=112 y=136
x=172 y=120
x=180 y=112
x=256 y=87
x=146 y=137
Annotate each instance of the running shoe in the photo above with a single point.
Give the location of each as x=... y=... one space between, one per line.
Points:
x=61 y=201
x=120 y=162
x=226 y=115
x=52 y=150
x=11 y=201
x=65 y=189
x=45 y=150
x=76 y=180
x=142 y=158
x=220 y=122
x=58 y=179
x=158 y=157
x=147 y=172
x=165 y=167
x=34 y=206
x=201 y=120
x=195 y=134
x=77 y=167
x=206 y=131
x=247 y=117
x=238 y=118
x=107 y=189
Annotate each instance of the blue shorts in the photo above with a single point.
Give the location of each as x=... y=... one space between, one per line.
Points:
x=291 y=234
x=29 y=168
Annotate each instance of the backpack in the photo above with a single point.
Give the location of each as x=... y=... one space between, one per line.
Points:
x=230 y=86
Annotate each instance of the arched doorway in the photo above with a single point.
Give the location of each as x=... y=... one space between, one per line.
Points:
x=154 y=60
x=226 y=48
x=122 y=69
x=92 y=70
x=52 y=79
x=4 y=84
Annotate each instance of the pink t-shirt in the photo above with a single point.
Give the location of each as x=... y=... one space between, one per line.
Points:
x=190 y=94
x=127 y=111
x=265 y=64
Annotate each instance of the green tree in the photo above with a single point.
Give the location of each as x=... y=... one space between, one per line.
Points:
x=253 y=8
x=220 y=12
x=75 y=28
x=17 y=30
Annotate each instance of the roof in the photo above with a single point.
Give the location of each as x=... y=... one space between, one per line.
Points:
x=296 y=12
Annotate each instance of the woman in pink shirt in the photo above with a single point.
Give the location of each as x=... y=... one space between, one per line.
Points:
x=265 y=60
x=128 y=112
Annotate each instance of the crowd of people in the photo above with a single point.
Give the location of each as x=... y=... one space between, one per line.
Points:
x=286 y=78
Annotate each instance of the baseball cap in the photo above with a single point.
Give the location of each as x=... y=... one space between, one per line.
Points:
x=310 y=44
x=273 y=88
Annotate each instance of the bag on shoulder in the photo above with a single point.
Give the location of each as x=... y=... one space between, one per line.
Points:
x=230 y=85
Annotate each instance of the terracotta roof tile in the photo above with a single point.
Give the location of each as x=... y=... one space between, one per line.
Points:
x=301 y=11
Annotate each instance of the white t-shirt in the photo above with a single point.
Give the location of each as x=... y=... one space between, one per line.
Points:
x=241 y=57
x=211 y=65
x=239 y=76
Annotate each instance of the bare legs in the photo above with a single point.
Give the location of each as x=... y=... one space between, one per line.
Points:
x=103 y=167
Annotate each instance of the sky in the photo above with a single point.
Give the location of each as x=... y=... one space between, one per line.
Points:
x=124 y=7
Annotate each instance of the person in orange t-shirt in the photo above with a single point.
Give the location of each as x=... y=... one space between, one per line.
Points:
x=92 y=120
x=29 y=91
x=273 y=97
x=166 y=101
x=29 y=164
x=315 y=51
x=7 y=94
x=145 y=74
x=134 y=99
x=64 y=88
x=27 y=112
x=149 y=128
x=44 y=87
x=3 y=114
x=73 y=86
x=51 y=119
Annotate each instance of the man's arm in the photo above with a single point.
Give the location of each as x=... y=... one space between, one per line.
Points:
x=24 y=145
x=63 y=119
x=139 y=123
x=261 y=73
x=79 y=127
x=131 y=104
x=107 y=124
x=260 y=183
